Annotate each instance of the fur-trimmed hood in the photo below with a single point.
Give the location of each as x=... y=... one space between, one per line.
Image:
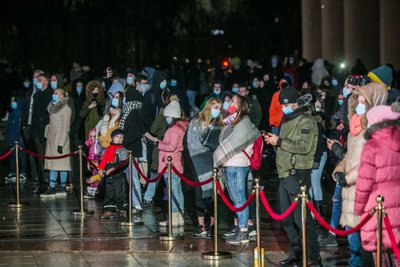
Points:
x=54 y=108
x=387 y=132
x=374 y=93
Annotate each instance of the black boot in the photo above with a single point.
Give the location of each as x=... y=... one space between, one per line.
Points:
x=290 y=261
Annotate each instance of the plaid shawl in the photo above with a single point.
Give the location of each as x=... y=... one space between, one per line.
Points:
x=234 y=139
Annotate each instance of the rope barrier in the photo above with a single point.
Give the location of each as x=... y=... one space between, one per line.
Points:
x=275 y=216
x=228 y=204
x=337 y=231
x=8 y=153
x=149 y=180
x=119 y=166
x=389 y=229
x=189 y=182
x=47 y=157
x=90 y=161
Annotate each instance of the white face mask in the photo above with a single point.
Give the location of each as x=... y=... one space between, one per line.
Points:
x=360 y=109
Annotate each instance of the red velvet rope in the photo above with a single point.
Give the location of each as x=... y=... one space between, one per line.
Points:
x=119 y=166
x=90 y=161
x=153 y=180
x=189 y=182
x=8 y=153
x=48 y=157
x=389 y=229
x=228 y=204
x=334 y=230
x=275 y=216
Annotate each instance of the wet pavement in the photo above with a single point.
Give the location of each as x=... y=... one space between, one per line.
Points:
x=44 y=233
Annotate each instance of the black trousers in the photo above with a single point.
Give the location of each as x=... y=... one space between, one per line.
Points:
x=289 y=188
x=116 y=193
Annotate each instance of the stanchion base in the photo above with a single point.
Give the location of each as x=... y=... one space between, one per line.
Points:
x=83 y=213
x=166 y=237
x=17 y=205
x=215 y=256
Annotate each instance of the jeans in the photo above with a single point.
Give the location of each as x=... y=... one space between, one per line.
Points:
x=237 y=188
x=192 y=98
x=178 y=201
x=336 y=206
x=53 y=178
x=316 y=174
x=151 y=188
x=136 y=188
x=250 y=187
x=355 y=249
x=22 y=162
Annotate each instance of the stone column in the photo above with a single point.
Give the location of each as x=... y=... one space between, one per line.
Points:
x=332 y=30
x=361 y=32
x=389 y=32
x=311 y=29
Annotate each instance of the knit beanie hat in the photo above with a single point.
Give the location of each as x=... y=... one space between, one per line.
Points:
x=383 y=75
x=383 y=113
x=173 y=110
x=288 y=95
x=117 y=132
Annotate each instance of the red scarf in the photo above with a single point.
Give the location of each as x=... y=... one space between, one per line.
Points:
x=356 y=126
x=109 y=155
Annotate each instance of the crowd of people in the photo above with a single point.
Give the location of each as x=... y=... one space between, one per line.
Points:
x=304 y=117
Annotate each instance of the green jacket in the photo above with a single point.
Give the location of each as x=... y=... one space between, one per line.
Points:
x=255 y=113
x=91 y=116
x=297 y=142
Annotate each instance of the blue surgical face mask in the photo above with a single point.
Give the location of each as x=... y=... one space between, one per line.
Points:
x=235 y=89
x=79 y=89
x=168 y=120
x=163 y=84
x=54 y=98
x=114 y=102
x=225 y=106
x=334 y=82
x=274 y=62
x=173 y=83
x=360 y=109
x=13 y=105
x=27 y=84
x=217 y=92
x=287 y=110
x=53 y=85
x=39 y=85
x=254 y=84
x=34 y=82
x=346 y=92
x=129 y=80
x=215 y=113
x=291 y=61
x=340 y=102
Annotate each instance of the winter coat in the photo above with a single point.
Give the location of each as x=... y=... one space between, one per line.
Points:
x=106 y=126
x=298 y=138
x=318 y=71
x=275 y=111
x=14 y=132
x=40 y=115
x=132 y=125
x=255 y=113
x=57 y=134
x=158 y=129
x=374 y=94
x=172 y=145
x=77 y=126
x=379 y=174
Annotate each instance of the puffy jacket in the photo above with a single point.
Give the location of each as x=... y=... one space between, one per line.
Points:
x=379 y=174
x=298 y=137
x=14 y=132
x=275 y=111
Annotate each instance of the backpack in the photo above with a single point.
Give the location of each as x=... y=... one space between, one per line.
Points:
x=256 y=157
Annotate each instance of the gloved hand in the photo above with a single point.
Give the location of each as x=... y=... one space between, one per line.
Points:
x=60 y=149
x=339 y=176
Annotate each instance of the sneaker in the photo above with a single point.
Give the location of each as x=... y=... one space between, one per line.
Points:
x=68 y=186
x=328 y=241
x=136 y=211
x=210 y=232
x=241 y=237
x=62 y=191
x=147 y=203
x=252 y=233
x=48 y=193
x=108 y=215
x=200 y=231
x=88 y=196
x=231 y=232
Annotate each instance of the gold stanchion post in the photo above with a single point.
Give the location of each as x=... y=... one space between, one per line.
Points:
x=379 y=200
x=260 y=256
x=129 y=221
x=170 y=236
x=304 y=223
x=81 y=211
x=17 y=204
x=216 y=255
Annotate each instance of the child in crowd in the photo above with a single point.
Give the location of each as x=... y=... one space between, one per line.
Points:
x=94 y=156
x=116 y=197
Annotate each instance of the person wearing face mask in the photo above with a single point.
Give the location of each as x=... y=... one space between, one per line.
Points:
x=14 y=134
x=274 y=68
x=172 y=145
x=57 y=81
x=57 y=141
x=346 y=172
x=202 y=140
x=40 y=118
x=93 y=107
x=264 y=89
x=296 y=147
x=275 y=109
x=226 y=98
x=290 y=68
x=77 y=128
x=216 y=93
x=255 y=113
x=115 y=87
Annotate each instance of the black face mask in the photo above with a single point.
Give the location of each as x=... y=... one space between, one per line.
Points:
x=95 y=95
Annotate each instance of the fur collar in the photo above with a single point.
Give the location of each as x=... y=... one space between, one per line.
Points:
x=378 y=126
x=54 y=108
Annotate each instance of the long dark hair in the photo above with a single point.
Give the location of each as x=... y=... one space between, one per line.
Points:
x=243 y=109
